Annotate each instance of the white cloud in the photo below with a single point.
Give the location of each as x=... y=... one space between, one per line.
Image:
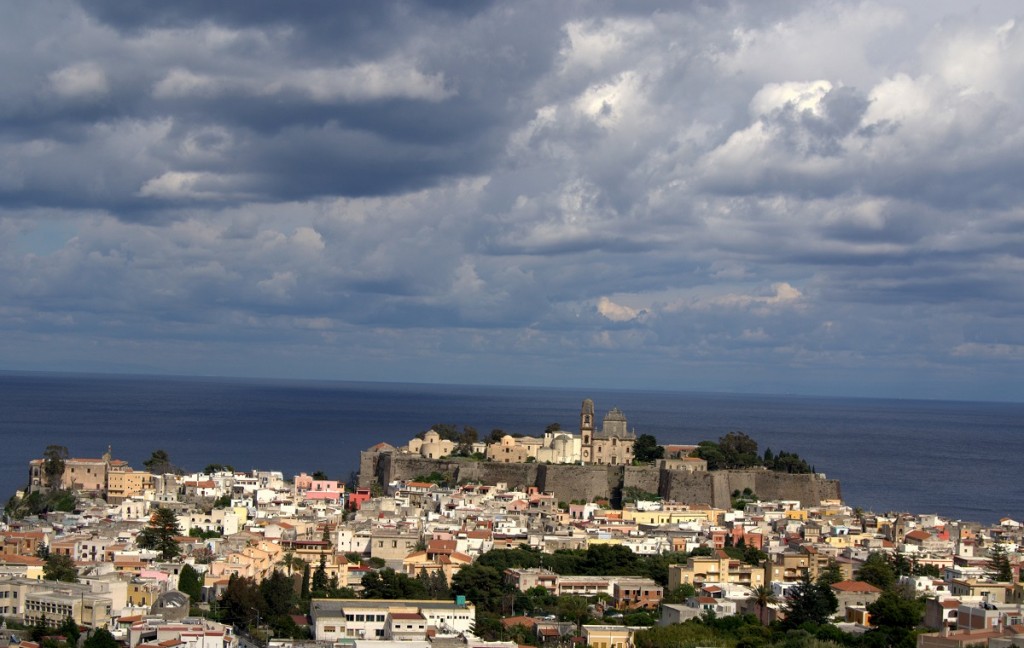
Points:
x=391 y=79
x=616 y=312
x=81 y=80
x=308 y=237
x=799 y=95
x=279 y=285
x=783 y=294
x=177 y=185
x=180 y=83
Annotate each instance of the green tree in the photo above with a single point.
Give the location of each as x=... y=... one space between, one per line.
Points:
x=40 y=629
x=291 y=562
x=101 y=638
x=59 y=567
x=809 y=602
x=159 y=463
x=739 y=449
x=575 y=609
x=754 y=556
x=320 y=582
x=998 y=565
x=304 y=588
x=610 y=559
x=680 y=634
x=927 y=569
x=877 y=571
x=894 y=610
x=69 y=629
x=434 y=584
x=647 y=450
x=481 y=584
x=54 y=460
x=190 y=581
x=389 y=584
x=762 y=597
x=831 y=575
x=679 y=594
x=161 y=533
x=894 y=616
x=242 y=601
x=278 y=593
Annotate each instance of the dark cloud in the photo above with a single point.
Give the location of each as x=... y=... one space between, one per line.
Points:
x=760 y=195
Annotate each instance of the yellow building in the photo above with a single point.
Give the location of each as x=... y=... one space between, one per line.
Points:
x=123 y=482
x=508 y=450
x=655 y=518
x=609 y=636
x=716 y=568
x=143 y=593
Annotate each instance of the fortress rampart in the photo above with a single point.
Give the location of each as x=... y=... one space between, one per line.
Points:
x=584 y=482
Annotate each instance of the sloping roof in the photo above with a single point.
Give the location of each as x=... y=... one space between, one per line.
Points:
x=856 y=586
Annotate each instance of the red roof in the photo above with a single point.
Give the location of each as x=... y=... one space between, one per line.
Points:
x=856 y=586
x=406 y=616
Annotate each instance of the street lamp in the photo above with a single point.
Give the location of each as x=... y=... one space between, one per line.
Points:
x=257 y=621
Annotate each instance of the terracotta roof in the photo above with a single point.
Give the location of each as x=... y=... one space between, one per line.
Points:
x=22 y=560
x=855 y=586
x=441 y=546
x=406 y=616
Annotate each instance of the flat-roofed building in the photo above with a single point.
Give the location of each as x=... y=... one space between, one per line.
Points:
x=338 y=619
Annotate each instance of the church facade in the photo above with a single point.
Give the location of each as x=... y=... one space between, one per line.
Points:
x=612 y=445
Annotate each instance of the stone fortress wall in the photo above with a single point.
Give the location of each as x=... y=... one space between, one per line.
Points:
x=585 y=482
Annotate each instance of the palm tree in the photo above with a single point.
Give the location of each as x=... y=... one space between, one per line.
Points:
x=574 y=608
x=763 y=596
x=858 y=514
x=290 y=561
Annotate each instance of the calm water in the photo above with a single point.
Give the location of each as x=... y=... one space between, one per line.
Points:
x=955 y=458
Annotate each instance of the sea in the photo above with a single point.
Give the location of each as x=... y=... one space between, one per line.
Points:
x=957 y=459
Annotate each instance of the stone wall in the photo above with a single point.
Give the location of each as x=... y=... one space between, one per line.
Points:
x=645 y=478
x=574 y=482
x=521 y=475
x=716 y=488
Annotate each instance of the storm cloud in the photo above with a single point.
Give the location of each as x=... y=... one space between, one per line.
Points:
x=815 y=197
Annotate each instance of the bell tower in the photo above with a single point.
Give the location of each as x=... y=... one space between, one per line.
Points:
x=586 y=428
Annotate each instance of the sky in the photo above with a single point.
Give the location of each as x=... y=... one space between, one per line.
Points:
x=813 y=197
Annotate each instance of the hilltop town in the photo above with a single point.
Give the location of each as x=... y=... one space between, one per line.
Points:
x=592 y=537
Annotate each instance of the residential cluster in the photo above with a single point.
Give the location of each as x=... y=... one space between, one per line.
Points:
x=251 y=524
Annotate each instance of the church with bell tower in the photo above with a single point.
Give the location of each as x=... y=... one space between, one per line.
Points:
x=612 y=445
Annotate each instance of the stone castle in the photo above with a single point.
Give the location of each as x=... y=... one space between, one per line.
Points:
x=594 y=464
